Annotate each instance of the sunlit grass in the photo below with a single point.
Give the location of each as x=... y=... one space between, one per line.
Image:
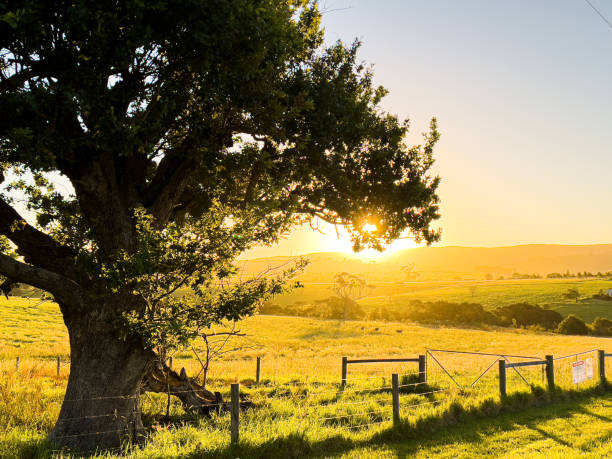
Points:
x=300 y=408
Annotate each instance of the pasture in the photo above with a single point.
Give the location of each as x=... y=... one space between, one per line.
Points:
x=491 y=294
x=301 y=411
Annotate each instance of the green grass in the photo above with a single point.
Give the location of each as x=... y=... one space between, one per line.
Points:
x=587 y=310
x=491 y=294
x=299 y=410
x=569 y=429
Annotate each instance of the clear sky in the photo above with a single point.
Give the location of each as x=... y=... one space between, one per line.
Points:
x=522 y=91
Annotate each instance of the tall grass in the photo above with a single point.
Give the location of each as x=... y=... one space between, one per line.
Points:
x=300 y=407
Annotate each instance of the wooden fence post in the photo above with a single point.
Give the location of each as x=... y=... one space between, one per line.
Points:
x=602 y=367
x=395 y=398
x=258 y=370
x=422 y=369
x=17 y=364
x=59 y=363
x=550 y=372
x=235 y=413
x=344 y=367
x=502 y=378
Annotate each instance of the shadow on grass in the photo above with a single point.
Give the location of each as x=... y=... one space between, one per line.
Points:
x=443 y=429
x=456 y=423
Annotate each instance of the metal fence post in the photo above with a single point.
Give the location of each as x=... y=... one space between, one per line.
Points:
x=422 y=369
x=550 y=372
x=344 y=367
x=235 y=413
x=59 y=363
x=258 y=370
x=17 y=364
x=602 y=366
x=502 y=378
x=395 y=398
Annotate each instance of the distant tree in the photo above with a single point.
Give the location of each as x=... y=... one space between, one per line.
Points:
x=349 y=288
x=489 y=276
x=410 y=271
x=573 y=325
x=525 y=314
x=572 y=294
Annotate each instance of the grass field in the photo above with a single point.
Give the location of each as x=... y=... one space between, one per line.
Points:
x=300 y=411
x=491 y=294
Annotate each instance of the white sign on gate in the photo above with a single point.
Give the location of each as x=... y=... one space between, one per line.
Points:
x=589 y=368
x=578 y=372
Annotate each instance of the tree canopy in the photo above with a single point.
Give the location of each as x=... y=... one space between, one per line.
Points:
x=189 y=132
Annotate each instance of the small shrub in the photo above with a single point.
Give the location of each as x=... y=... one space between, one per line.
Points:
x=523 y=315
x=573 y=325
x=602 y=326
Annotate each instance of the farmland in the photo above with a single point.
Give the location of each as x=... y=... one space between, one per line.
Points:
x=491 y=294
x=299 y=413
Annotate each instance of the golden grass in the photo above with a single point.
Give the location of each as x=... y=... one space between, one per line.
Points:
x=300 y=371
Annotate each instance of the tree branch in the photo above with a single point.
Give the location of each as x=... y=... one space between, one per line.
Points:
x=62 y=288
x=36 y=247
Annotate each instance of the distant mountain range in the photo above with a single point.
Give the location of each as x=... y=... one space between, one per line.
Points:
x=428 y=263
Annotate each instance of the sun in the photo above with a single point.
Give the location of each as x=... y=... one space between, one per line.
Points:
x=338 y=239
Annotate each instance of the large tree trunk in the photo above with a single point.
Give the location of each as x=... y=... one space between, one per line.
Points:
x=101 y=404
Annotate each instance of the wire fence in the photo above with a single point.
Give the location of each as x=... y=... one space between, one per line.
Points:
x=365 y=397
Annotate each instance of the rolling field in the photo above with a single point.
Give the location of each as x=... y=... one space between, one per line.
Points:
x=491 y=294
x=300 y=411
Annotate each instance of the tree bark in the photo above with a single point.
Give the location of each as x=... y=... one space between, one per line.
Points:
x=196 y=399
x=101 y=405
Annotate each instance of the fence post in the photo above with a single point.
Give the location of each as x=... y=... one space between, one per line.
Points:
x=258 y=370
x=59 y=363
x=395 y=398
x=17 y=364
x=422 y=369
x=550 y=372
x=602 y=367
x=235 y=413
x=502 y=378
x=344 y=367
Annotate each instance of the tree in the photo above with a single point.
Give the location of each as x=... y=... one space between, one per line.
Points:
x=572 y=294
x=185 y=132
x=573 y=325
x=349 y=289
x=602 y=326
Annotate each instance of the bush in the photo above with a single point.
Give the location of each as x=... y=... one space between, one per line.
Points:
x=573 y=325
x=602 y=295
x=450 y=313
x=602 y=327
x=333 y=308
x=526 y=315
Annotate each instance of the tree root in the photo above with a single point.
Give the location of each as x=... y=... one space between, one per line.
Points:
x=196 y=399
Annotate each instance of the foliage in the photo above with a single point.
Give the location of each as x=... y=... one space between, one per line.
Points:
x=186 y=133
x=186 y=278
x=601 y=327
x=602 y=296
x=572 y=294
x=524 y=315
x=349 y=288
x=573 y=325
x=450 y=313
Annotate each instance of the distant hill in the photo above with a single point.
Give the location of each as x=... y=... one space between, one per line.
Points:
x=427 y=263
